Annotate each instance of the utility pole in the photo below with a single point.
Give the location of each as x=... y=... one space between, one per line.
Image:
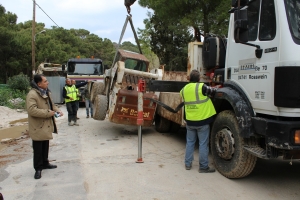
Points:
x=32 y=40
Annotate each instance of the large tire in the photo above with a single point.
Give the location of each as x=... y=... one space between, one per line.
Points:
x=174 y=127
x=100 y=107
x=229 y=156
x=162 y=125
x=98 y=88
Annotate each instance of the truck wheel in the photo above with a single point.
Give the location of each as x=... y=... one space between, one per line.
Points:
x=162 y=125
x=100 y=107
x=174 y=127
x=229 y=156
x=98 y=88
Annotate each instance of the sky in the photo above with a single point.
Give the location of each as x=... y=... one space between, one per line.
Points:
x=103 y=18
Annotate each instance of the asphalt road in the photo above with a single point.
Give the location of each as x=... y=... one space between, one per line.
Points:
x=96 y=160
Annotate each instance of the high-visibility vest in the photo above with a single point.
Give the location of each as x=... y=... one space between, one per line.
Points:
x=197 y=106
x=71 y=92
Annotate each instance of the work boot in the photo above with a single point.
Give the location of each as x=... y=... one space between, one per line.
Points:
x=76 y=124
x=208 y=170
x=87 y=116
x=70 y=123
x=188 y=167
x=91 y=116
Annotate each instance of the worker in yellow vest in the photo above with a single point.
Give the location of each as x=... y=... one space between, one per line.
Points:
x=70 y=95
x=77 y=96
x=198 y=114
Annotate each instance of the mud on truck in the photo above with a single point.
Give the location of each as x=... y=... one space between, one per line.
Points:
x=258 y=68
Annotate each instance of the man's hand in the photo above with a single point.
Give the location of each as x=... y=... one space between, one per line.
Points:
x=52 y=113
x=61 y=113
x=71 y=98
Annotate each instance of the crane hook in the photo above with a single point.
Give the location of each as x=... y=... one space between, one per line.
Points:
x=127 y=4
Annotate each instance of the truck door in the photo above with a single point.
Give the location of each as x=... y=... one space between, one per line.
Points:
x=256 y=75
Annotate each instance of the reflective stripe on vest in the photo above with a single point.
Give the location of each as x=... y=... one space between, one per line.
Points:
x=71 y=92
x=197 y=106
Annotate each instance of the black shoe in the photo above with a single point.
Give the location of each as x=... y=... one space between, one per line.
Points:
x=49 y=166
x=188 y=167
x=208 y=170
x=38 y=174
x=77 y=117
x=87 y=116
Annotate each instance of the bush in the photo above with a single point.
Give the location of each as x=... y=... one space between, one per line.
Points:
x=14 y=99
x=19 y=82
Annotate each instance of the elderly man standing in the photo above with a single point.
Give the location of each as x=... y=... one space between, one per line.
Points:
x=70 y=95
x=41 y=122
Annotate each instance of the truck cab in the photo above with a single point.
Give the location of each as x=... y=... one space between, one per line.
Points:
x=84 y=69
x=258 y=108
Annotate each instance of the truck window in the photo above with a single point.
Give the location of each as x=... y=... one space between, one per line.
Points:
x=135 y=64
x=293 y=15
x=85 y=68
x=253 y=17
x=267 y=29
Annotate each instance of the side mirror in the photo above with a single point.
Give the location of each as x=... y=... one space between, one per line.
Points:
x=63 y=67
x=241 y=26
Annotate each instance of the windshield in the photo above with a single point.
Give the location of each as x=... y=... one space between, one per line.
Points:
x=84 y=68
x=135 y=64
x=293 y=15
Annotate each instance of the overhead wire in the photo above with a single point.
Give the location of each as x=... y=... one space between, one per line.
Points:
x=46 y=13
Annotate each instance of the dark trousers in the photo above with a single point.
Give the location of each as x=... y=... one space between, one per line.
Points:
x=77 y=104
x=40 y=154
x=72 y=111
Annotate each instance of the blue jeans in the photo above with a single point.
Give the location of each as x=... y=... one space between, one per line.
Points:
x=88 y=104
x=202 y=132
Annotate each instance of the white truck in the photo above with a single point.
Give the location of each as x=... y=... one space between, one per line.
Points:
x=258 y=105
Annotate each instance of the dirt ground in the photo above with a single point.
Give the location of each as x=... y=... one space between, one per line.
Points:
x=14 y=136
x=97 y=160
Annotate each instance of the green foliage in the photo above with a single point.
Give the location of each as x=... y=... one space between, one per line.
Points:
x=19 y=82
x=168 y=40
x=204 y=15
x=14 y=99
x=168 y=29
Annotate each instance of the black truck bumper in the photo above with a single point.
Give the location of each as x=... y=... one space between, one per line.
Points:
x=278 y=134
